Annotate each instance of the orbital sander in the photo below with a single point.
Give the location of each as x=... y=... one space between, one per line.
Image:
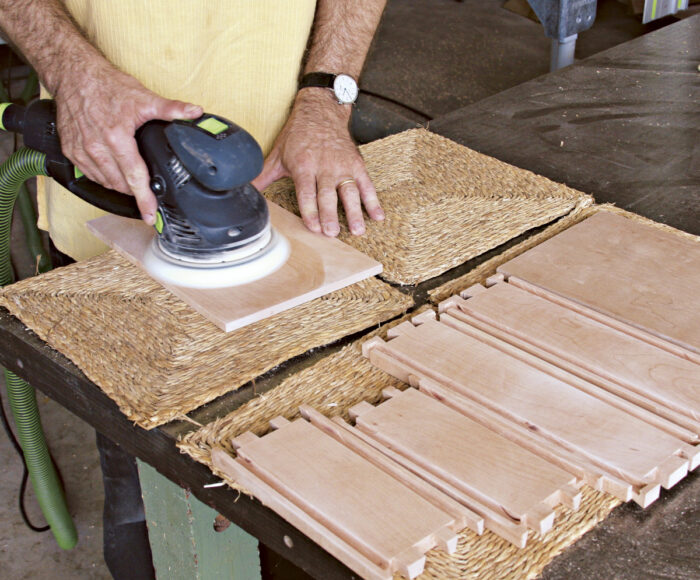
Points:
x=212 y=225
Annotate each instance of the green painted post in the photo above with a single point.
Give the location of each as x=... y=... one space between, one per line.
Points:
x=184 y=543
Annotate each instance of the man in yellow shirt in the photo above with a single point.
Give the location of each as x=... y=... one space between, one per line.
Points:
x=112 y=65
x=237 y=58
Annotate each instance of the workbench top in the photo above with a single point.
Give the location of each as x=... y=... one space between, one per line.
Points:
x=622 y=125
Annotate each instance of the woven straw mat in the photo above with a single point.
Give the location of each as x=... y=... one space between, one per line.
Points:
x=343 y=379
x=444 y=204
x=155 y=356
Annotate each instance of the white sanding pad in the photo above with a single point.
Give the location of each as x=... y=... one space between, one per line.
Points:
x=192 y=275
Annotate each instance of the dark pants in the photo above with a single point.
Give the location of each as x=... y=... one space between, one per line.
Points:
x=127 y=552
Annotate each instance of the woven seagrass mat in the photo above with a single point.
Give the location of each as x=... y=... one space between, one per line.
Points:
x=444 y=204
x=581 y=212
x=155 y=356
x=339 y=381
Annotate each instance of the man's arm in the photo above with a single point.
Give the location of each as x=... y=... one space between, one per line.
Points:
x=99 y=107
x=315 y=147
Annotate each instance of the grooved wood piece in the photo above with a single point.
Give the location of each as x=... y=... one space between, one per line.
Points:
x=610 y=396
x=316 y=266
x=646 y=375
x=354 y=499
x=485 y=466
x=463 y=516
x=617 y=443
x=632 y=272
x=277 y=502
x=500 y=524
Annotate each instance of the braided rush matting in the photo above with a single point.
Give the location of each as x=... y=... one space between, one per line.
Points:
x=156 y=357
x=444 y=204
x=343 y=379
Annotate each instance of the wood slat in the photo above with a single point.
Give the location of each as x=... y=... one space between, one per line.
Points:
x=632 y=272
x=617 y=443
x=474 y=459
x=646 y=375
x=354 y=499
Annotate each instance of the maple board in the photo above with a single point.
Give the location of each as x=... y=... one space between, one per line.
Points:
x=607 y=437
x=491 y=470
x=670 y=384
x=632 y=272
x=367 y=508
x=316 y=266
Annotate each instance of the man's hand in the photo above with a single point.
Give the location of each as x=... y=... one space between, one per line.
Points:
x=99 y=107
x=315 y=149
x=98 y=115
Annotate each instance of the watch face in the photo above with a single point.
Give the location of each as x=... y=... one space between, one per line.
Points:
x=345 y=89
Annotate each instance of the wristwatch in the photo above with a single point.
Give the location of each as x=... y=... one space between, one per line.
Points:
x=344 y=87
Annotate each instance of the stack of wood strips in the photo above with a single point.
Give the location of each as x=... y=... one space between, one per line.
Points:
x=527 y=395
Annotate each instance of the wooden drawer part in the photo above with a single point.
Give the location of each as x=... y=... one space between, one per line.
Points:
x=588 y=430
x=366 y=516
x=637 y=274
x=647 y=376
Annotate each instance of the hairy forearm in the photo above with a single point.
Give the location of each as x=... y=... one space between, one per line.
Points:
x=49 y=39
x=342 y=35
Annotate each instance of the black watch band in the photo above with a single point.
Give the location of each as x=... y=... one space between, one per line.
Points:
x=317 y=79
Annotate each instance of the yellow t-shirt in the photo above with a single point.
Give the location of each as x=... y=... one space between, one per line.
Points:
x=237 y=58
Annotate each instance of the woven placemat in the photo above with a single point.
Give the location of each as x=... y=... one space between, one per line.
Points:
x=444 y=204
x=339 y=381
x=155 y=356
x=583 y=210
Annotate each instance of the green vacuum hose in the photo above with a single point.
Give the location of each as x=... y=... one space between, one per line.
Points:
x=22 y=165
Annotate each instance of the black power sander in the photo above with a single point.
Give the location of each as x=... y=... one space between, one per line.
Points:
x=213 y=226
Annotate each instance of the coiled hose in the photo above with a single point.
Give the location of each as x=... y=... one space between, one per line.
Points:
x=22 y=165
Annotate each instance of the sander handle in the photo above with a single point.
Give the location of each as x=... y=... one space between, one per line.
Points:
x=37 y=125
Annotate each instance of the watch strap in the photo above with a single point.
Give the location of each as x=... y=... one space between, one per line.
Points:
x=317 y=79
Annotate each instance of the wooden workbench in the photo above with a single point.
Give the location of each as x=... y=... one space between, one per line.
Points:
x=621 y=125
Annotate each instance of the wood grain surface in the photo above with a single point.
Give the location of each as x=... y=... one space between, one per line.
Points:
x=491 y=469
x=363 y=505
x=576 y=342
x=633 y=272
x=316 y=266
x=607 y=436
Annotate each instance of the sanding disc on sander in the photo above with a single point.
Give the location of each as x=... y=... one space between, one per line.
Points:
x=170 y=270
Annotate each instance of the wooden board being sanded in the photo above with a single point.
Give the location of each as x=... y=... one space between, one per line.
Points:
x=317 y=265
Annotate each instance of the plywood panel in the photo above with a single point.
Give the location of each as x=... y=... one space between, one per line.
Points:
x=316 y=266
x=493 y=470
x=608 y=437
x=577 y=342
x=359 y=502
x=630 y=271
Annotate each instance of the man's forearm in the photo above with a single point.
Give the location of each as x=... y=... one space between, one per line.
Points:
x=48 y=38
x=342 y=35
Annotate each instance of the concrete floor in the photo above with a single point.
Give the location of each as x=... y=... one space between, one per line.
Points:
x=432 y=57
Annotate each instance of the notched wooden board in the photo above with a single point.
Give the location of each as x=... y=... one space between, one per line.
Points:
x=647 y=376
x=634 y=273
x=492 y=475
x=353 y=507
x=614 y=450
x=316 y=266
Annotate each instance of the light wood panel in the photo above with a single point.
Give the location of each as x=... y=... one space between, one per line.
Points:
x=609 y=438
x=316 y=266
x=356 y=500
x=490 y=469
x=644 y=374
x=630 y=271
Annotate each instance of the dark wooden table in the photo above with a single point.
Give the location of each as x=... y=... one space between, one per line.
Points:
x=622 y=125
